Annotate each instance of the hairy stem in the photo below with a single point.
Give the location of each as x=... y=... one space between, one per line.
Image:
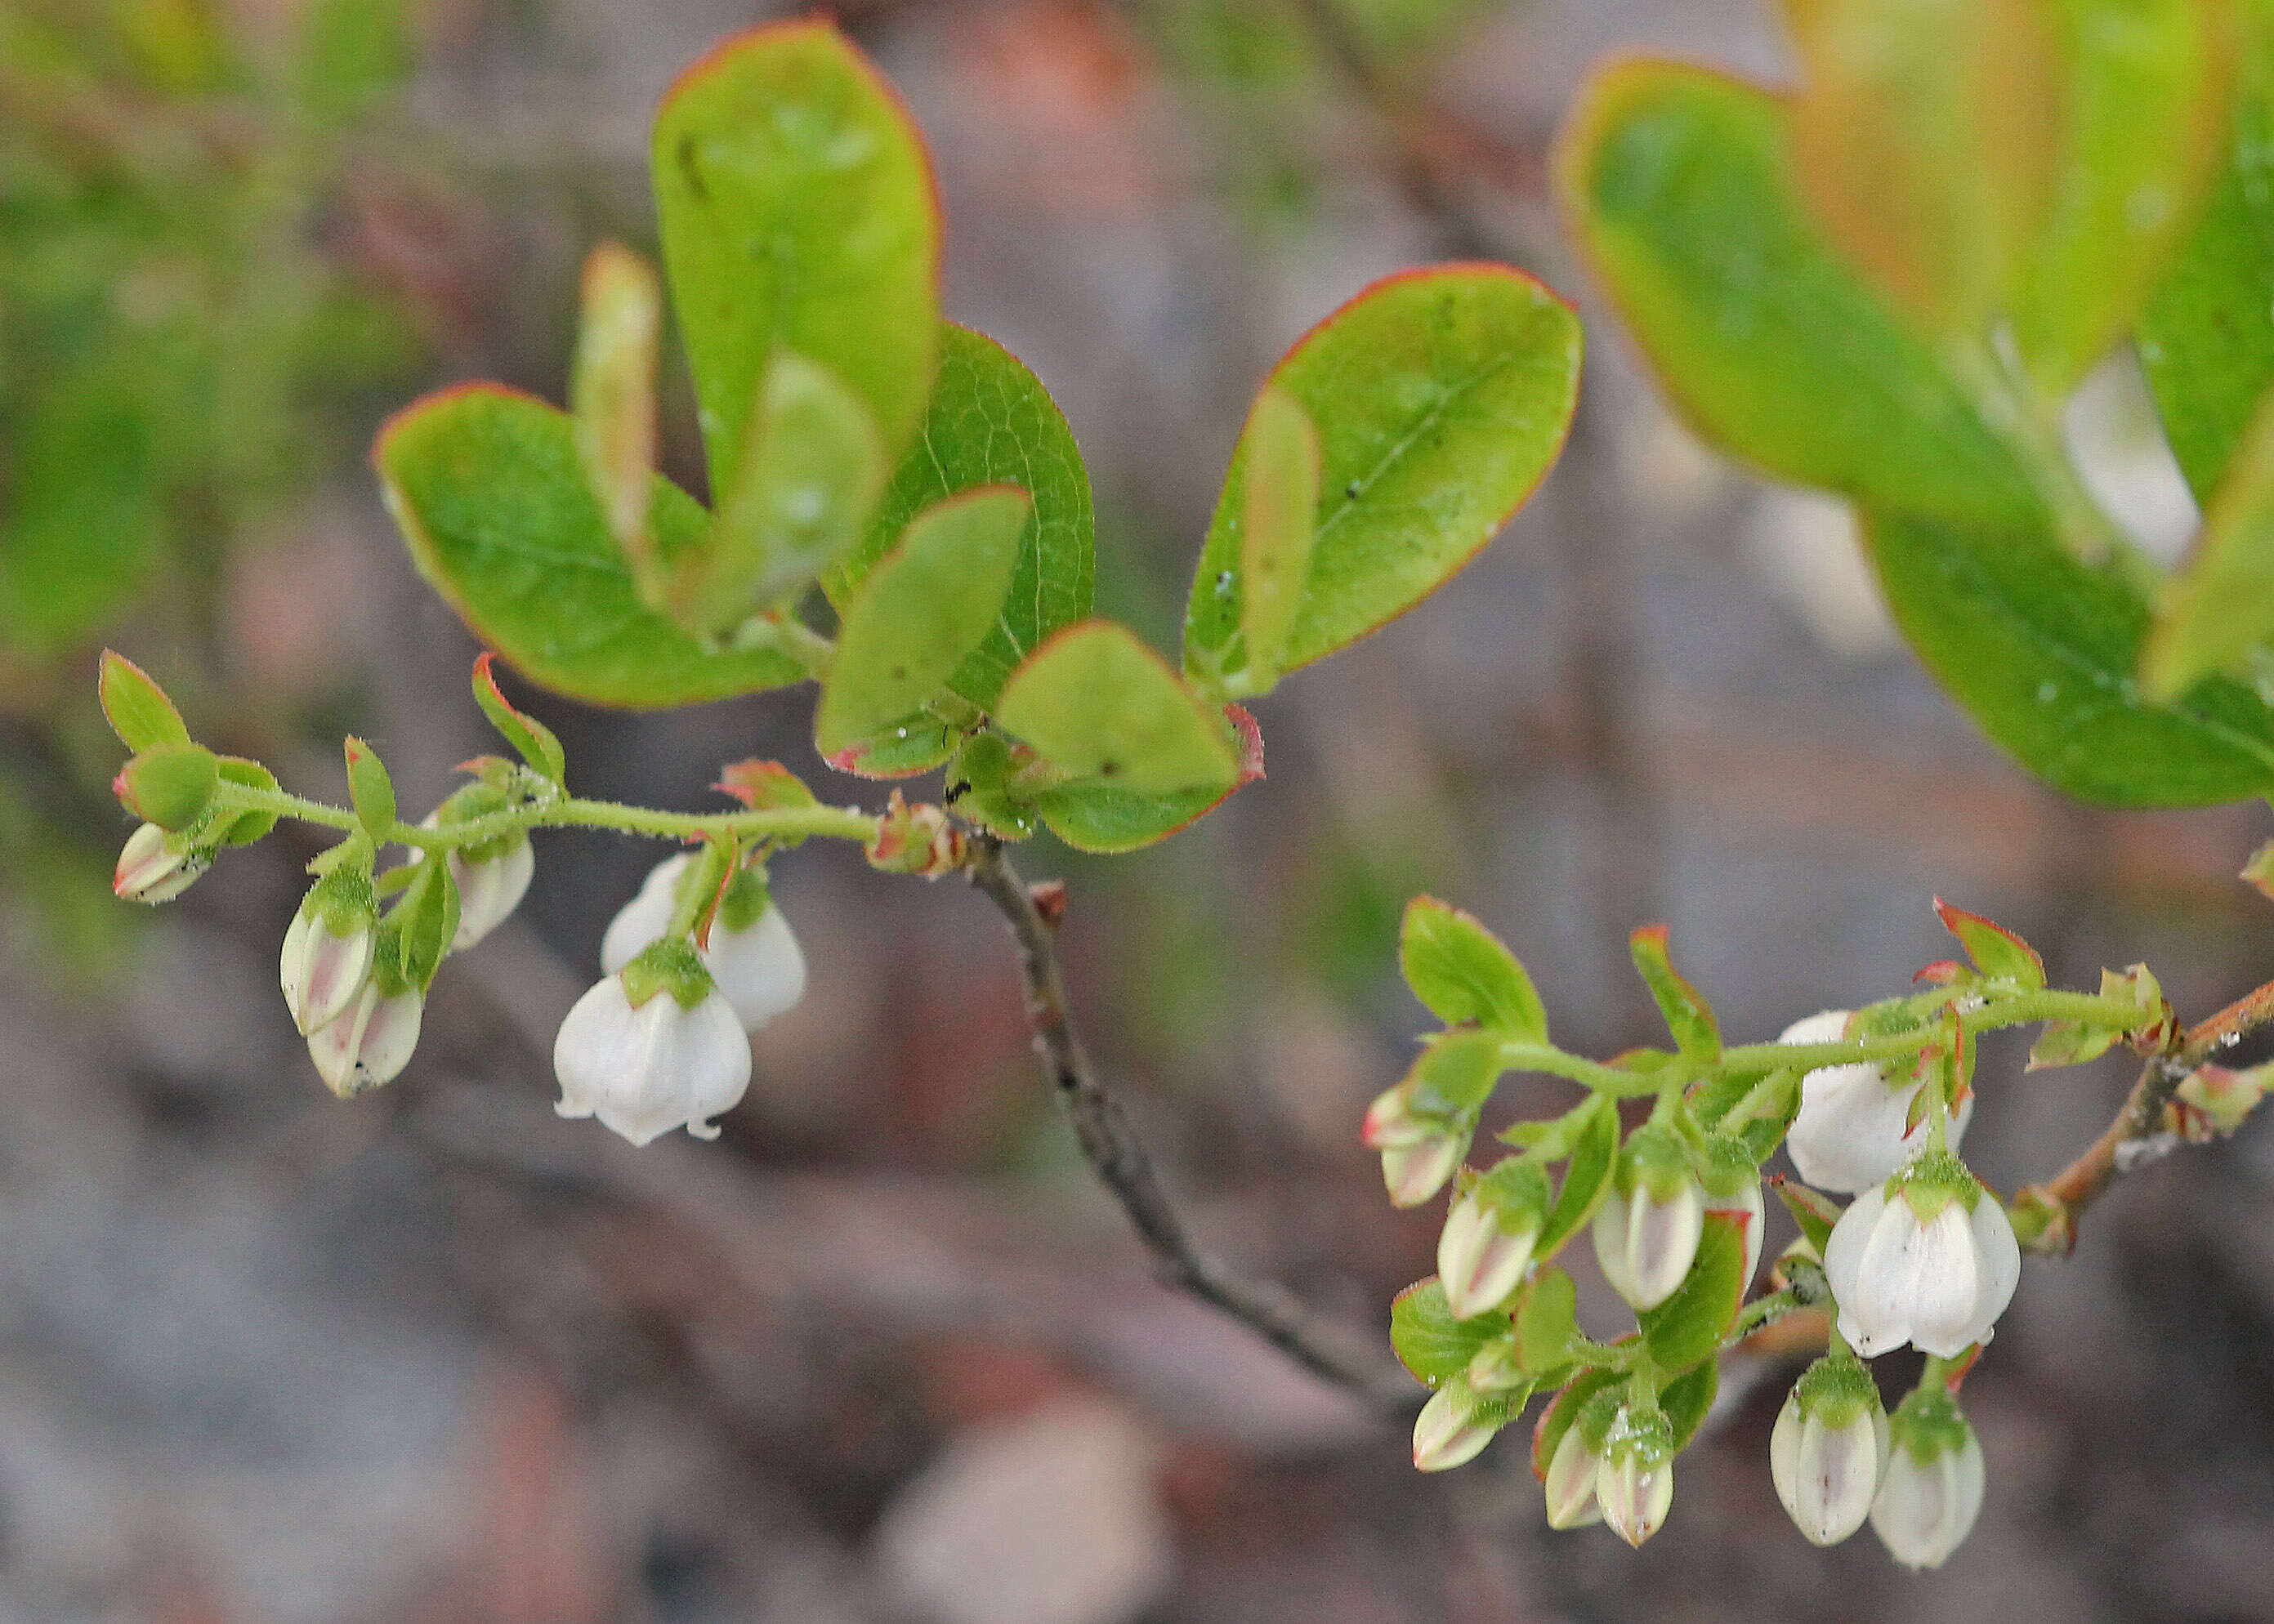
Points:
x=1122 y=1164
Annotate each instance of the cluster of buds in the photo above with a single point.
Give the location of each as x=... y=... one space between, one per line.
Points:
x=699 y=958
x=1614 y=1464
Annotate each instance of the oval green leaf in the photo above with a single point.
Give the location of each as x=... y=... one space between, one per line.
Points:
x=991 y=422
x=1678 y=183
x=1441 y=397
x=494 y=504
x=919 y=612
x=1101 y=706
x=797 y=212
x=2222 y=605
x=1429 y=1340
x=1463 y=973
x=2040 y=648
x=1282 y=502
x=1686 y=1330
x=136 y=707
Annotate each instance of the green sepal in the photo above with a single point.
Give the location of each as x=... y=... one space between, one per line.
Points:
x=1463 y=973
x=668 y=964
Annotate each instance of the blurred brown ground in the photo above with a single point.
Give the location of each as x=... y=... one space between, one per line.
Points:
x=885 y=1353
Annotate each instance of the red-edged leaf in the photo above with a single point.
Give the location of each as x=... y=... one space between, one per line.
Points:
x=1998 y=952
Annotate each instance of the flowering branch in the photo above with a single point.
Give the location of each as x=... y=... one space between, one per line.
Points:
x=1123 y=1165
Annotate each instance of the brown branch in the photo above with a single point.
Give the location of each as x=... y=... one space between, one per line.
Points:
x=1121 y=1162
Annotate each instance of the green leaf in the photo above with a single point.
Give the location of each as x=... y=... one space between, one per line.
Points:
x=531 y=739
x=1546 y=1319
x=136 y=707
x=1564 y=1411
x=246 y=827
x=370 y=790
x=1688 y=1016
x=1455 y=1073
x=1586 y=1180
x=499 y=517
x=909 y=745
x=1687 y=1328
x=1924 y=139
x=919 y=612
x=1439 y=396
x=990 y=422
x=801 y=495
x=1999 y=953
x=2222 y=606
x=2205 y=341
x=2144 y=96
x=2070 y=1042
x=427 y=922
x=797 y=214
x=1432 y=1343
x=1680 y=187
x=1462 y=973
x=1814 y=1213
x=1688 y=1398
x=612 y=397
x=168 y=785
x=1280 y=455
x=1098 y=704
x=2040 y=648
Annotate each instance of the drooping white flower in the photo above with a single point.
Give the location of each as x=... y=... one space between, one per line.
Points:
x=1648 y=1229
x=1929 y=1258
x=751 y=954
x=1420 y=1150
x=1829 y=1450
x=1932 y=1491
x=1489 y=1235
x=152 y=869
x=1853 y=1126
x=1454 y=1426
x=675 y=1058
x=370 y=1042
x=1634 y=1484
x=327 y=950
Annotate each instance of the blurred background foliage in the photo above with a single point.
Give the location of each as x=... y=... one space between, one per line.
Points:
x=884 y=1353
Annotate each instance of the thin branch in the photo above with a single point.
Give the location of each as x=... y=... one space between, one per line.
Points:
x=1122 y=1164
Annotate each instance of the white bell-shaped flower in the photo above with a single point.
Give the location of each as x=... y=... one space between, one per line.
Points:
x=327 y=954
x=1928 y=1258
x=751 y=954
x=151 y=869
x=1854 y=1126
x=1634 y=1484
x=1648 y=1229
x=1829 y=1450
x=370 y=1042
x=490 y=888
x=1419 y=1151
x=675 y=1058
x=1488 y=1235
x=1932 y=1491
x=1454 y=1426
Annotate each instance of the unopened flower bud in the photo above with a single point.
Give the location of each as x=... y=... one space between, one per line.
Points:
x=1929 y=1258
x=751 y=953
x=1634 y=1484
x=491 y=884
x=1854 y=1126
x=1420 y=1150
x=1647 y=1232
x=370 y=1042
x=153 y=868
x=1732 y=1181
x=1489 y=1235
x=1454 y=1426
x=1577 y=1463
x=652 y=1048
x=1829 y=1449
x=328 y=949
x=1932 y=1491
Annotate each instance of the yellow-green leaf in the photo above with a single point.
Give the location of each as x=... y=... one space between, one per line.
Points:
x=1281 y=501
x=2222 y=606
x=611 y=395
x=1099 y=705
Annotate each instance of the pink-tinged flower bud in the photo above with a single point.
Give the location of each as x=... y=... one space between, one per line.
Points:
x=1932 y=1491
x=1929 y=1258
x=751 y=954
x=1854 y=1126
x=1487 y=1242
x=1454 y=1426
x=646 y=1068
x=490 y=888
x=328 y=950
x=1420 y=1150
x=1570 y=1484
x=152 y=869
x=1634 y=1484
x=370 y=1042
x=1647 y=1230
x=1732 y=1181
x=1829 y=1450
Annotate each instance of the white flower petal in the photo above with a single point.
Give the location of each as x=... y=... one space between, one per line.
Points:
x=1571 y=1483
x=760 y=969
x=645 y=917
x=489 y=892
